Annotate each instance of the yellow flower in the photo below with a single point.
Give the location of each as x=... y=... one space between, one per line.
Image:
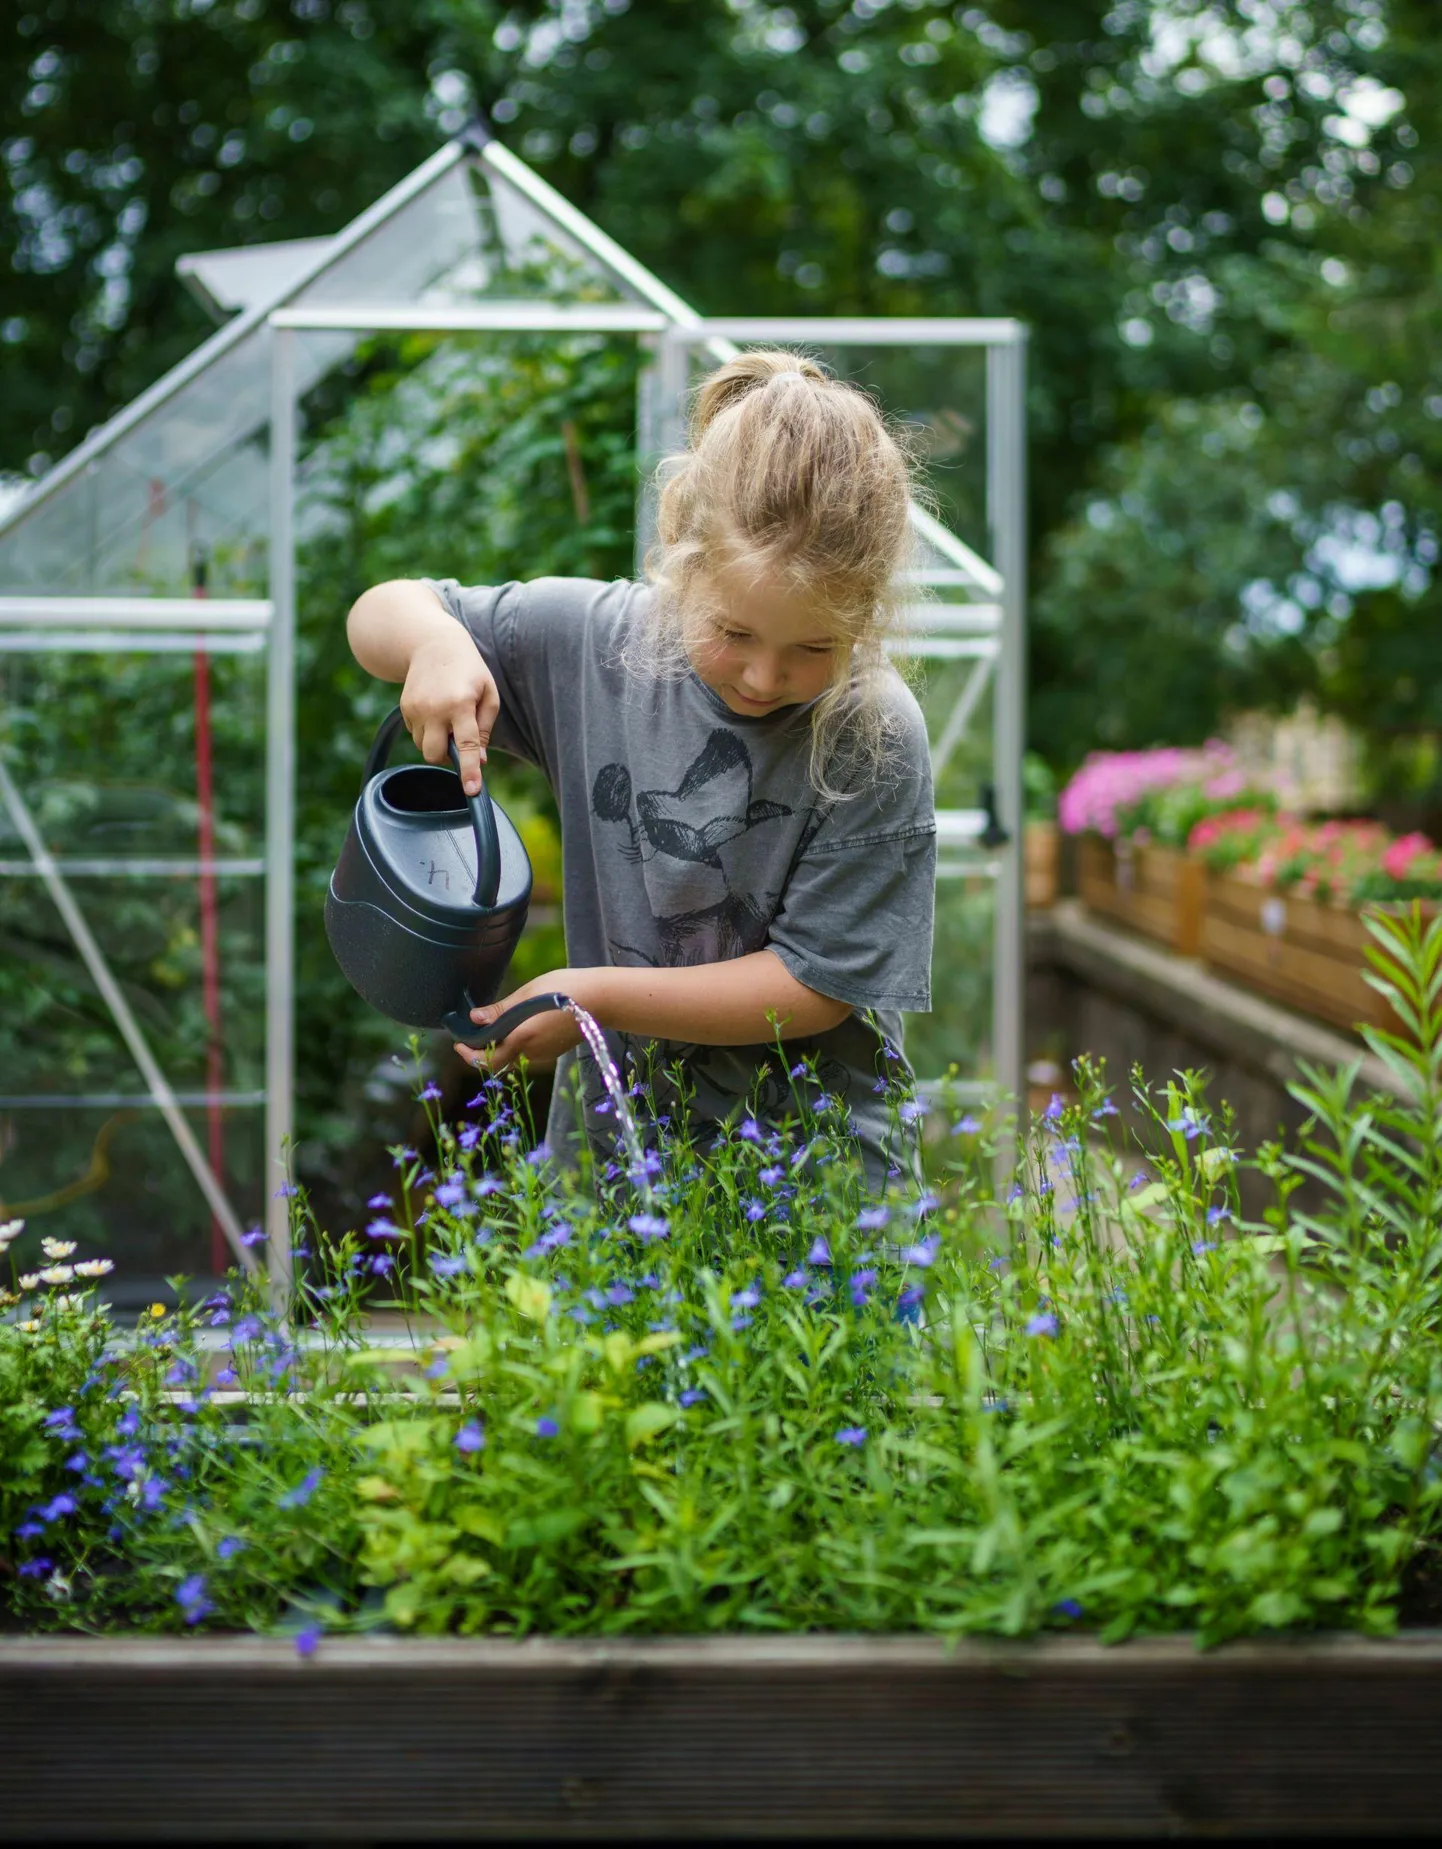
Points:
x=157 y=1309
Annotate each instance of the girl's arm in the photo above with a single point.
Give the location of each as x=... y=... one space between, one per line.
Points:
x=401 y=632
x=745 y=1001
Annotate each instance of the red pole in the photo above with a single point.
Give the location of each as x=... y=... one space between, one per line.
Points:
x=209 y=924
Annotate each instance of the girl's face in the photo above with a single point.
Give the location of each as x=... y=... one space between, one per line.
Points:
x=763 y=647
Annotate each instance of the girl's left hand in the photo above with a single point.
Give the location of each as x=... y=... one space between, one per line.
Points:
x=542 y=1039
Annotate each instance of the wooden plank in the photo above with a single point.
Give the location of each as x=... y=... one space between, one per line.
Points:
x=388 y=1739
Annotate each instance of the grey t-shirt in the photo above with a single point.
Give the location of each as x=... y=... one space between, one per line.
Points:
x=692 y=834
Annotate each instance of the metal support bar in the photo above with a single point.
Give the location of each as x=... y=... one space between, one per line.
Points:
x=187 y=614
x=860 y=331
x=169 y=868
x=100 y=974
x=1006 y=477
x=280 y=815
x=129 y=642
x=960 y=716
x=498 y=317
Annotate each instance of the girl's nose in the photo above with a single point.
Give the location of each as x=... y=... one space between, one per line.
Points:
x=762 y=680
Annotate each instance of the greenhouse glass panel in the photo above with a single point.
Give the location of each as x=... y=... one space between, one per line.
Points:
x=958 y=1030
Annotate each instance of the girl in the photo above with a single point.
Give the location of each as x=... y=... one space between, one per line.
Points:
x=743 y=780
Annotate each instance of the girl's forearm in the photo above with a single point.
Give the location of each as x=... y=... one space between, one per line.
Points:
x=745 y=1001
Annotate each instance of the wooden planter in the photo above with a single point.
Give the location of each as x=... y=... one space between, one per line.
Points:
x=1157 y=891
x=1040 y=845
x=1307 y=955
x=389 y=1739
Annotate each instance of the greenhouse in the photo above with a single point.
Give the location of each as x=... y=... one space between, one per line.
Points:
x=176 y=777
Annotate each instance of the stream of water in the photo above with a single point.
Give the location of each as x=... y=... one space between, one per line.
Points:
x=611 y=1079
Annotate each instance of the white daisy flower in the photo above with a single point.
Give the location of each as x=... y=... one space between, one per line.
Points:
x=10 y=1230
x=94 y=1268
x=57 y=1248
x=29 y=1279
x=57 y=1274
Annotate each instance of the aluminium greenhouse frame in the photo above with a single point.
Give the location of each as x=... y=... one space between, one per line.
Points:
x=987 y=627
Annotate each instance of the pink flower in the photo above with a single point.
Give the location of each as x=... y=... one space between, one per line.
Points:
x=1397 y=861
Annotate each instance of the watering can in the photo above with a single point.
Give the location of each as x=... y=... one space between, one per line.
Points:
x=429 y=897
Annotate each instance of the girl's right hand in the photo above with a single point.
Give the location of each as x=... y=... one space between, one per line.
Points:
x=449 y=693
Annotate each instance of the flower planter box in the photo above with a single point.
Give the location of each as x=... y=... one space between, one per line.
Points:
x=1307 y=955
x=389 y=1739
x=1040 y=856
x=1157 y=891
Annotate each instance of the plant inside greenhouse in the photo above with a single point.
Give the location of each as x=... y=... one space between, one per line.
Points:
x=667 y=1394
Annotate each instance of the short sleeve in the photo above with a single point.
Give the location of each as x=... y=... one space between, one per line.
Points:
x=855 y=921
x=488 y=615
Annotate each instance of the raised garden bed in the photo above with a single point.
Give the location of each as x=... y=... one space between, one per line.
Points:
x=1157 y=891
x=382 y=1739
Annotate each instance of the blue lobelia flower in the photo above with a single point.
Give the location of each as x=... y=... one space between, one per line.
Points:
x=229 y=1547
x=796 y=1280
x=820 y=1253
x=470 y=1438
x=923 y=1252
x=871 y=1218
x=307 y=1639
x=649 y=1227
x=1068 y=1608
x=1043 y=1323
x=190 y=1597
x=854 y=1435
x=298 y=1497
x=966 y=1126
x=693 y=1396
x=547 y=1428
x=447 y=1264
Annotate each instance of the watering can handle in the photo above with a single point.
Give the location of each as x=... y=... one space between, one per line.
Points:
x=483 y=815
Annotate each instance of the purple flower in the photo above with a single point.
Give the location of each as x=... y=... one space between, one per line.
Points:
x=470 y=1438
x=429 y=1091
x=37 y=1569
x=747 y=1298
x=923 y=1252
x=228 y=1548
x=796 y=1280
x=1215 y=1215
x=910 y=1297
x=911 y=1110
x=1068 y=1608
x=860 y=1284
x=820 y=1253
x=770 y=1176
x=1200 y=1246
x=751 y=1130
x=1105 y=1109
x=246 y=1330
x=379 y=1200
x=383 y=1264
x=966 y=1126
x=547 y=1428
x=298 y=1497
x=488 y=1185
x=755 y=1211
x=923 y=1205
x=871 y=1218
x=1043 y=1323
x=798 y=1071
x=190 y=1597
x=384 y=1229
x=227 y=1377
x=854 y=1435
x=63 y=1504
x=693 y=1396
x=649 y=1227
x=445 y=1264
x=28 y=1531
x=62 y=1422
x=255 y=1237
x=307 y=1639
x=450 y=1194
x=619 y=1294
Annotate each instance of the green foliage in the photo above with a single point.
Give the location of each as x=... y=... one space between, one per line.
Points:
x=703 y=1407
x=1222 y=239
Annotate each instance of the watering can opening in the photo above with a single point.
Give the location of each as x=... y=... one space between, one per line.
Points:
x=424 y=789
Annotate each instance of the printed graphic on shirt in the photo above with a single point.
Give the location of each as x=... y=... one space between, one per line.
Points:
x=696 y=846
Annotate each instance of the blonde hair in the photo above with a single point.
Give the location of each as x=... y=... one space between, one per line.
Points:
x=793 y=472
